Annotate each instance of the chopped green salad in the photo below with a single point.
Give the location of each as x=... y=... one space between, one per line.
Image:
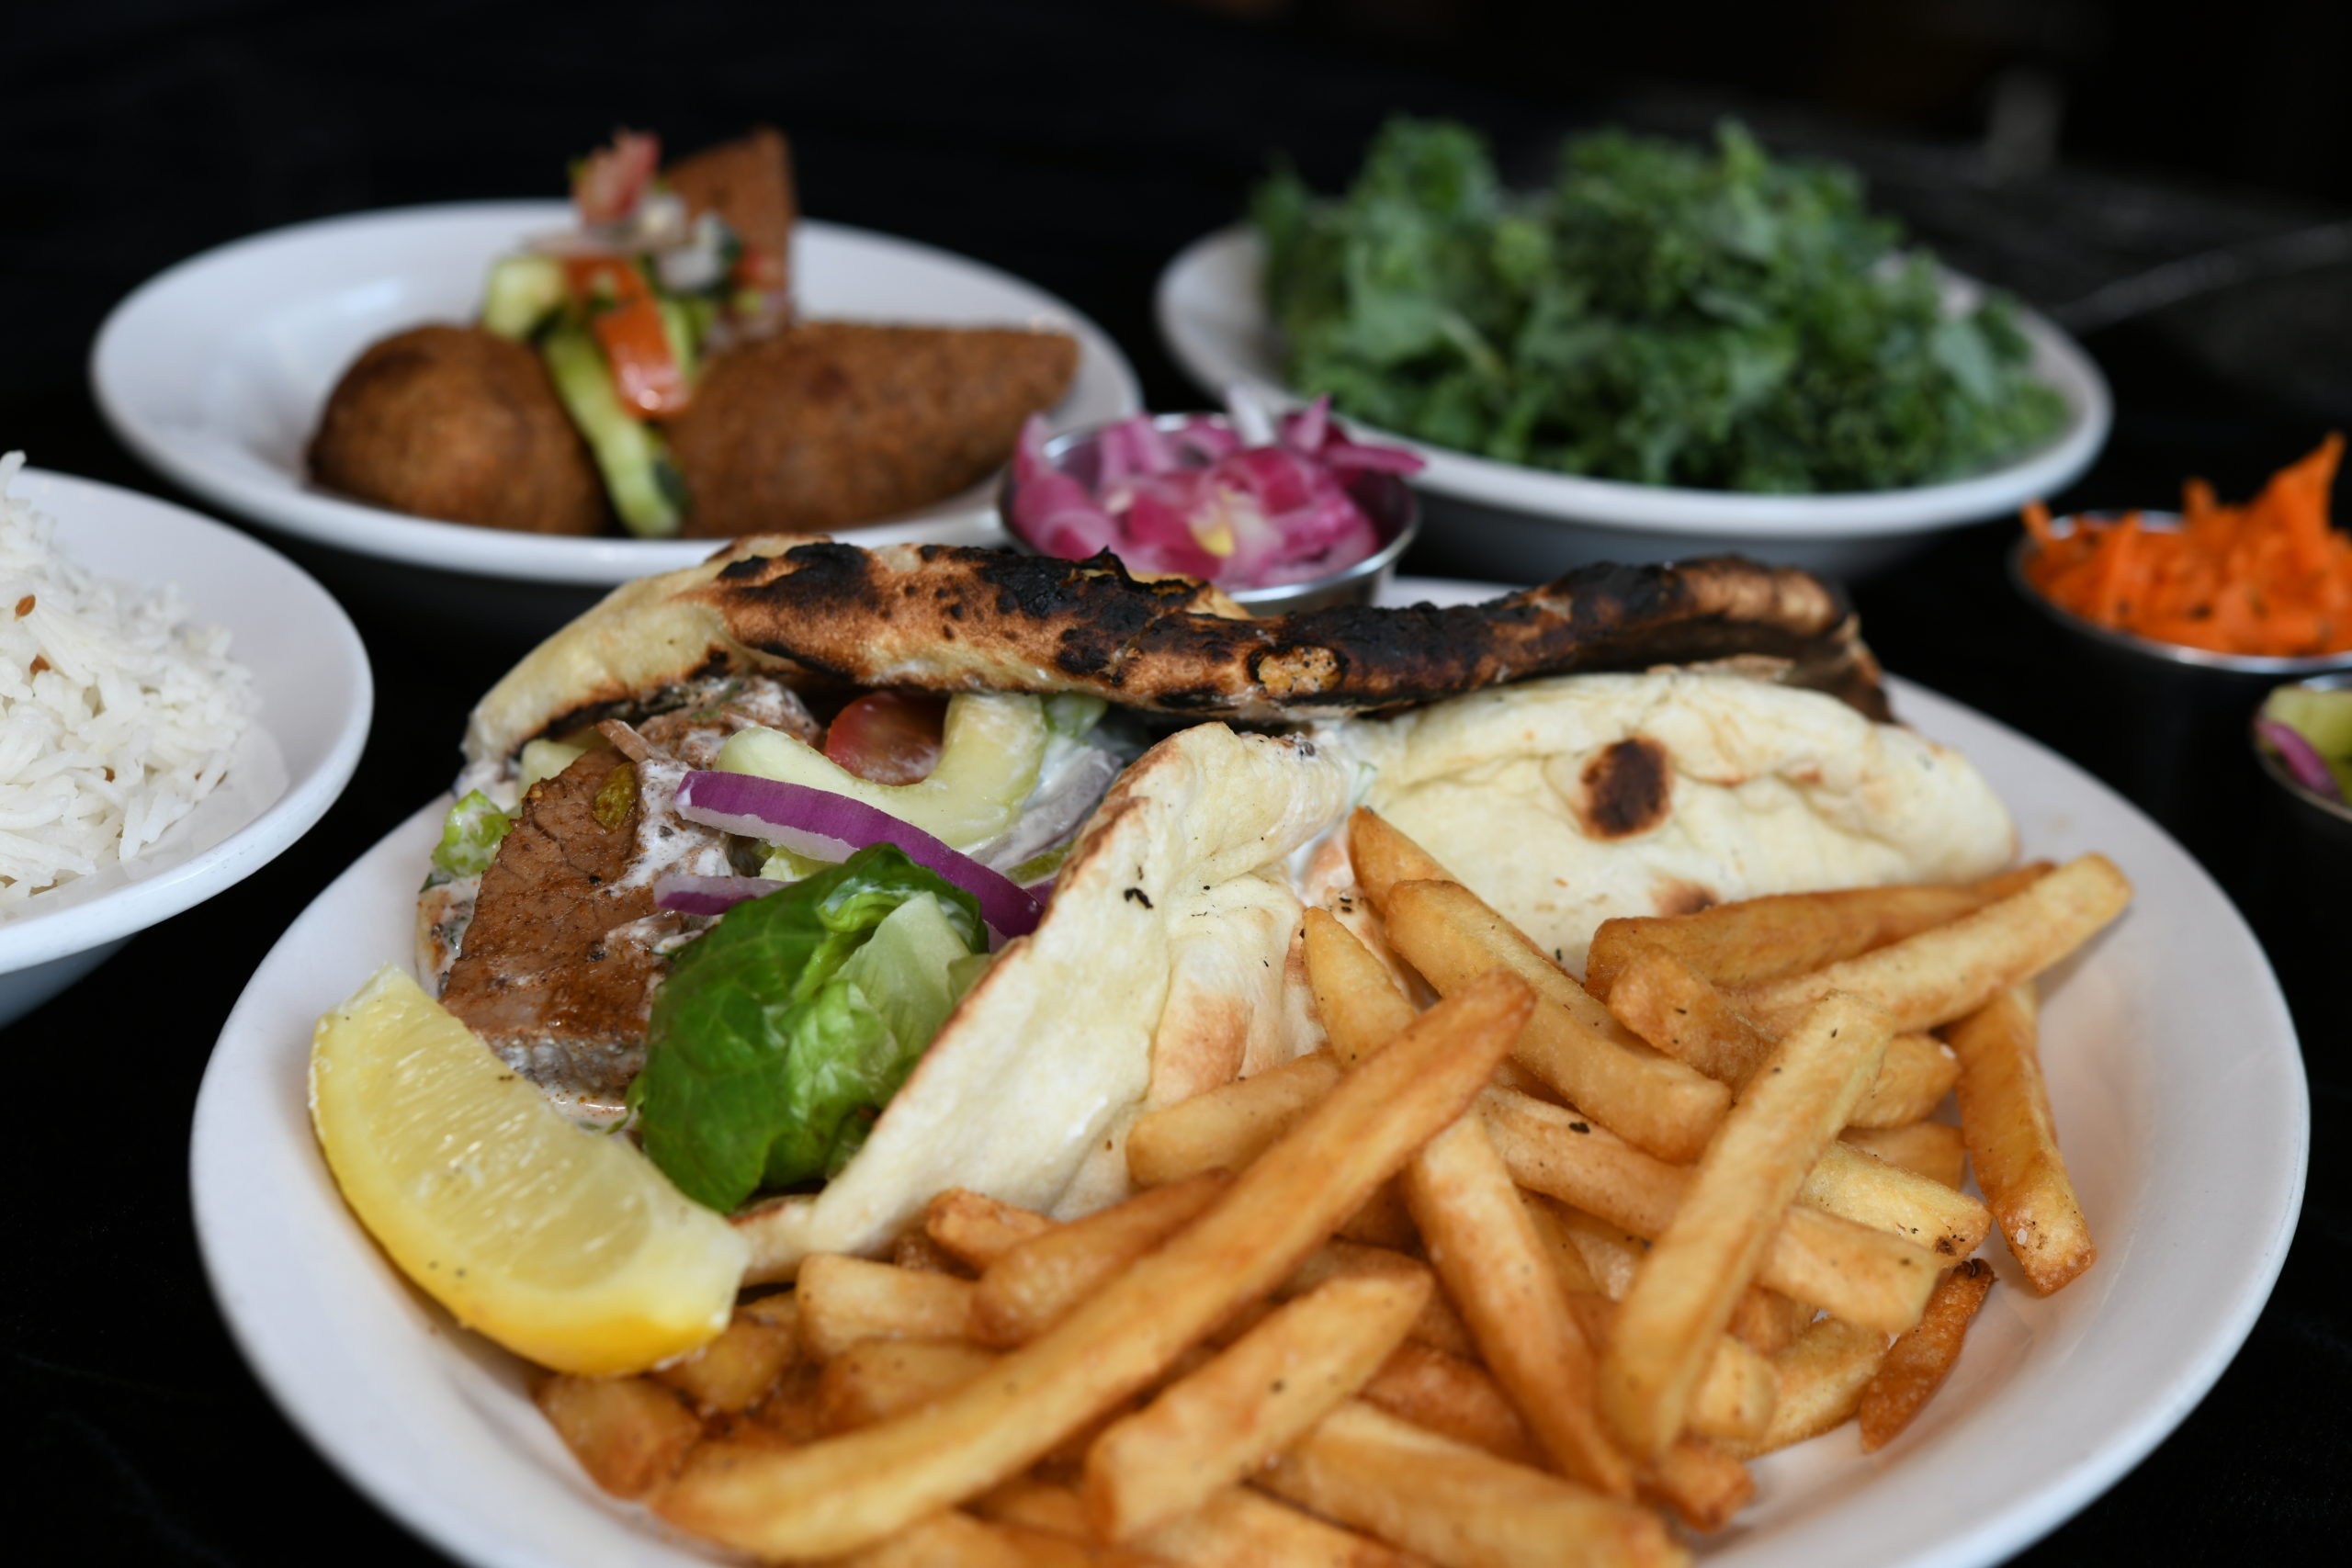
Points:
x=1664 y=313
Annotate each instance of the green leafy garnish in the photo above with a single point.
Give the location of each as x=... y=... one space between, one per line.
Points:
x=782 y=1032
x=1665 y=313
x=471 y=835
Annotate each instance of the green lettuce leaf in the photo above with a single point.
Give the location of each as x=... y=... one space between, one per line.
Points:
x=783 y=1030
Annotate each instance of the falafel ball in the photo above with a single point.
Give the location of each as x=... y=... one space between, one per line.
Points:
x=458 y=424
x=834 y=423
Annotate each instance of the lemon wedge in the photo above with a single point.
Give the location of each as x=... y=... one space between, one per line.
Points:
x=563 y=1245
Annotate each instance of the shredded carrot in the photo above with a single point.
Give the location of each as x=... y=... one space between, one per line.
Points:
x=2271 y=577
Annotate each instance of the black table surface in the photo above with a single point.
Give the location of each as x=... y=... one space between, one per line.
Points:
x=1027 y=138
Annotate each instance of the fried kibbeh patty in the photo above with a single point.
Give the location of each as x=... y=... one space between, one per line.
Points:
x=457 y=424
x=834 y=423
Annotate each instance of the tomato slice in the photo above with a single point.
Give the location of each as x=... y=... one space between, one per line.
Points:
x=645 y=373
x=888 y=738
x=607 y=184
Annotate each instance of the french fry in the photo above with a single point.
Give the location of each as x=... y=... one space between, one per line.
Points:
x=876 y=1379
x=734 y=1371
x=1932 y=1149
x=1047 y=1549
x=2013 y=1141
x=976 y=1229
x=1767 y=1322
x=1037 y=1284
x=1479 y=1237
x=1665 y=1001
x=1211 y=1429
x=629 y=1434
x=947 y=1540
x=1553 y=1229
x=847 y=1492
x=1869 y=1191
x=1572 y=1043
x=1771 y=938
x=1917 y=1074
x=1439 y=1326
x=1229 y=1127
x=1822 y=1378
x=1703 y=1484
x=1382 y=1220
x=1611 y=1253
x=1453 y=1397
x=1722 y=1229
x=1382 y=857
x=1456 y=1506
x=1951 y=970
x=845 y=1300
x=1240 y=1528
x=916 y=1252
x=1734 y=1397
x=1917 y=1362
x=1863 y=1275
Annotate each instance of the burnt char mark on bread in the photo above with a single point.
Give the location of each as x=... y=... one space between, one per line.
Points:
x=538 y=976
x=945 y=618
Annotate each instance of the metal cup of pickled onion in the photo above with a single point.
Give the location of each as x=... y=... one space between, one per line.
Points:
x=1305 y=520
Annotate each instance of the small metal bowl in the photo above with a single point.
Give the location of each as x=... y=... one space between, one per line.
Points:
x=2245 y=664
x=2333 y=814
x=1386 y=498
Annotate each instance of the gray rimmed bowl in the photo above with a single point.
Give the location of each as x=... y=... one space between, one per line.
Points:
x=1386 y=498
x=2251 y=666
x=2333 y=816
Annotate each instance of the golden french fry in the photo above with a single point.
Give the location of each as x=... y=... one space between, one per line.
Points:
x=1572 y=1043
x=1932 y=1149
x=1383 y=857
x=845 y=1300
x=1733 y=1398
x=629 y=1434
x=1453 y=1397
x=876 y=1379
x=1822 y=1379
x=1049 y=1549
x=1457 y=1506
x=1703 y=1484
x=2013 y=1141
x=1553 y=1228
x=976 y=1229
x=1863 y=1275
x=734 y=1371
x=1767 y=1322
x=949 y=1540
x=1917 y=1362
x=1229 y=1127
x=1610 y=1252
x=1382 y=1220
x=1767 y=939
x=917 y=1251
x=1919 y=1072
x=1665 y=1001
x=1240 y=1528
x=1439 y=1326
x=1869 y=1191
x=1722 y=1229
x=1947 y=971
x=1479 y=1237
x=848 y=1491
x=1039 y=1283
x=1213 y=1427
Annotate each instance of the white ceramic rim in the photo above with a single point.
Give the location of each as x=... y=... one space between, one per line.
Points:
x=1967 y=1518
x=321 y=518
x=29 y=939
x=1223 y=266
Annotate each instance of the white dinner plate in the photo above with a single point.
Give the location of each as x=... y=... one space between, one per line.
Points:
x=216 y=370
x=315 y=698
x=2172 y=1063
x=1211 y=311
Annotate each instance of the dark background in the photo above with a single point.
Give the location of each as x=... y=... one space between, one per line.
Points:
x=2061 y=149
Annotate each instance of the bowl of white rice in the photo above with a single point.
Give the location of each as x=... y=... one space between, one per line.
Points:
x=178 y=704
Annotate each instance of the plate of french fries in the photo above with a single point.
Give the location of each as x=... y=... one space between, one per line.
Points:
x=1876 y=1226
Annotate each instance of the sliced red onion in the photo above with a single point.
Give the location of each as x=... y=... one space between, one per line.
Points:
x=2302 y=758
x=710 y=894
x=824 y=826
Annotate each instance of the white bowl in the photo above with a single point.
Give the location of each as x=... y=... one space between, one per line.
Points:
x=215 y=371
x=1526 y=525
x=316 y=697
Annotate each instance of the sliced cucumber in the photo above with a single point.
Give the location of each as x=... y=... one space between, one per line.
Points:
x=523 y=292
x=988 y=759
x=644 y=484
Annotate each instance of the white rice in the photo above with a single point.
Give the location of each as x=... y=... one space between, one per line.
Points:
x=128 y=724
